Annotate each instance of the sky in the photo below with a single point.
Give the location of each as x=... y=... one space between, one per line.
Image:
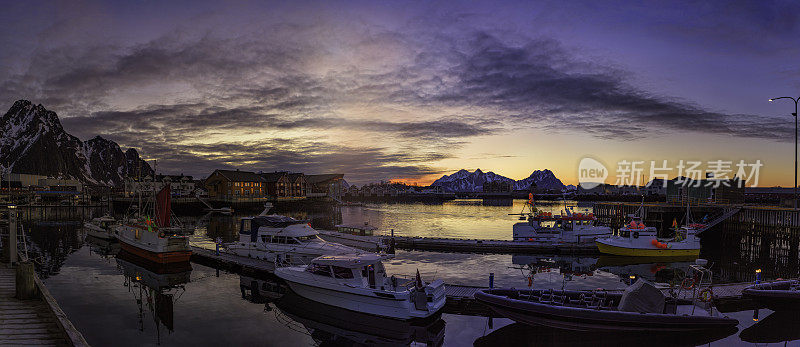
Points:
x=410 y=91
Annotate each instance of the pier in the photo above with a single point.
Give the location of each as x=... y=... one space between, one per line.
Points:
x=491 y=246
x=29 y=315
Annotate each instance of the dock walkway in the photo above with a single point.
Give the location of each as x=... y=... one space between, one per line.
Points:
x=491 y=246
x=25 y=322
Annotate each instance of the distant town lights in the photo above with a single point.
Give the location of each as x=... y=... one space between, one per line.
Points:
x=758 y=271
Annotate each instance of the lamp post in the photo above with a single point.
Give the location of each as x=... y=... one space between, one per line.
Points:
x=794 y=203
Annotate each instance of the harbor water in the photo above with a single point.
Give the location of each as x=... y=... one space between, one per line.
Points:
x=119 y=301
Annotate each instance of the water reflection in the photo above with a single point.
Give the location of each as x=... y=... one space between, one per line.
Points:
x=330 y=325
x=155 y=289
x=519 y=334
x=777 y=327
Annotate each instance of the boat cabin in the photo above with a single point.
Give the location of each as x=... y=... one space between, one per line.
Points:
x=365 y=270
x=276 y=229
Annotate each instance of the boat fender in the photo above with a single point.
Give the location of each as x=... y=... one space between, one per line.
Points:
x=706 y=295
x=654 y=242
x=635 y=234
x=688 y=283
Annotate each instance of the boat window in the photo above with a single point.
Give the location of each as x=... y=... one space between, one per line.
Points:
x=321 y=270
x=291 y=240
x=342 y=272
x=246 y=224
x=307 y=238
x=265 y=238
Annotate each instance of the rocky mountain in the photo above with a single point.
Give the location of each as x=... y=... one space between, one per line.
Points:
x=465 y=181
x=33 y=141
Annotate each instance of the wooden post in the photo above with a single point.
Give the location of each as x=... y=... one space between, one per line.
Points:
x=12 y=234
x=26 y=289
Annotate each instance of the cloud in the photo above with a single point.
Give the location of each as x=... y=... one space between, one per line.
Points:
x=405 y=99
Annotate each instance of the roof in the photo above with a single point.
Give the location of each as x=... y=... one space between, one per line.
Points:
x=294 y=176
x=324 y=177
x=240 y=176
x=349 y=260
x=273 y=176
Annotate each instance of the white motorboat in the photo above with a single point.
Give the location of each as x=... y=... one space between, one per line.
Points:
x=568 y=227
x=283 y=240
x=101 y=227
x=358 y=282
x=358 y=236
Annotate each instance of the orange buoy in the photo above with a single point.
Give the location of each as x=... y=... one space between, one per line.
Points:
x=654 y=243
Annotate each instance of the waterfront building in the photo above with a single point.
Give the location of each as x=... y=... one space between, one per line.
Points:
x=326 y=185
x=235 y=184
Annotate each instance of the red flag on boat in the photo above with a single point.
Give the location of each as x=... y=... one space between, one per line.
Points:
x=163 y=207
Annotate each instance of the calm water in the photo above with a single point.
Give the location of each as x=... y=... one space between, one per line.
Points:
x=121 y=301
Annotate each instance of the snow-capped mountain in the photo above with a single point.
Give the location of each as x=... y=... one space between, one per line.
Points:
x=33 y=141
x=465 y=181
x=544 y=179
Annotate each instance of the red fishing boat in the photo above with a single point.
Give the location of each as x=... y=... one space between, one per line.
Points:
x=155 y=240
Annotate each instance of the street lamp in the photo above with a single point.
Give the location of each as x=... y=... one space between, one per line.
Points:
x=795 y=143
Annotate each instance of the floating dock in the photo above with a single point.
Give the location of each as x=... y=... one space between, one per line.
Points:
x=491 y=246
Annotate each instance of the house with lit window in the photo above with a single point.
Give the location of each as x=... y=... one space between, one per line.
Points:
x=235 y=184
x=282 y=184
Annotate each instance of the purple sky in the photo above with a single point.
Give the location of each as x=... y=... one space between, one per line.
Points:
x=412 y=90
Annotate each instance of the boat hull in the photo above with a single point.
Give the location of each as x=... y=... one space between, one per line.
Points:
x=157 y=257
x=586 y=319
x=776 y=296
x=644 y=252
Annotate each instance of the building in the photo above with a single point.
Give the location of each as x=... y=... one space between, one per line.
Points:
x=708 y=190
x=497 y=187
x=282 y=184
x=235 y=184
x=330 y=185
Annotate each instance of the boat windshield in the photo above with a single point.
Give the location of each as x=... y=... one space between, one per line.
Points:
x=307 y=238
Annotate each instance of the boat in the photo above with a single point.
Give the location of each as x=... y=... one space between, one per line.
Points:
x=568 y=227
x=358 y=236
x=358 y=282
x=776 y=296
x=156 y=240
x=101 y=227
x=642 y=307
x=281 y=239
x=333 y=326
x=637 y=240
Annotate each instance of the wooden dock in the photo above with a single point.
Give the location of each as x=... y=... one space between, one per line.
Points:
x=491 y=246
x=26 y=322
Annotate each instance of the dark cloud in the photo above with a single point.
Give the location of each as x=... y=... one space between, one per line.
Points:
x=268 y=81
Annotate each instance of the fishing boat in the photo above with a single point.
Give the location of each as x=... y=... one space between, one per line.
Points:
x=282 y=239
x=156 y=240
x=358 y=236
x=358 y=282
x=641 y=307
x=568 y=227
x=637 y=240
x=101 y=227
x=777 y=296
